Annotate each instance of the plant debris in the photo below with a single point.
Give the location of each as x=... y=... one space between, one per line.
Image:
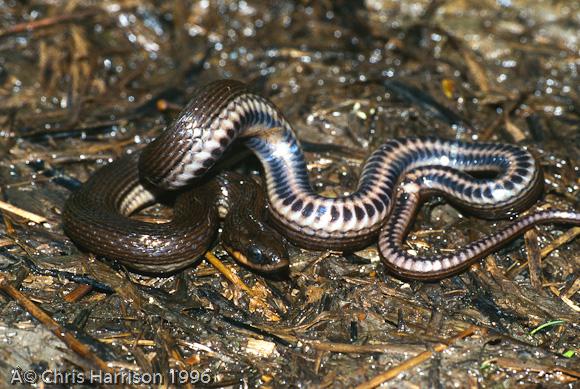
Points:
x=82 y=82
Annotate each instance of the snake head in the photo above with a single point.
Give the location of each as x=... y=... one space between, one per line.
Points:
x=261 y=249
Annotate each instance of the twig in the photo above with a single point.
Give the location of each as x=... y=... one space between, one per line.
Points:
x=6 y=242
x=22 y=213
x=559 y=241
x=231 y=276
x=366 y=348
x=534 y=258
x=508 y=363
x=77 y=293
x=237 y=281
x=416 y=360
x=46 y=22
x=80 y=348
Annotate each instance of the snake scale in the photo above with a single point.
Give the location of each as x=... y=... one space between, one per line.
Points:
x=394 y=180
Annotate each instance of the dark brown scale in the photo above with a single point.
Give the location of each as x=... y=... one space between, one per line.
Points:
x=211 y=119
x=165 y=153
x=93 y=218
x=246 y=236
x=370 y=210
x=208 y=163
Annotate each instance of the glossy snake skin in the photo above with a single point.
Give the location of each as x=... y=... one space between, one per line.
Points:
x=394 y=180
x=96 y=217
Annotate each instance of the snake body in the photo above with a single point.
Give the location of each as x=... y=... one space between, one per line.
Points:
x=393 y=181
x=96 y=217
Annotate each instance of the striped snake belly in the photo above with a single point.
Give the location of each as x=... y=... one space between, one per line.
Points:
x=392 y=183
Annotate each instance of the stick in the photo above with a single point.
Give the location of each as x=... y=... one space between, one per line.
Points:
x=46 y=22
x=22 y=213
x=416 y=360
x=80 y=348
x=234 y=279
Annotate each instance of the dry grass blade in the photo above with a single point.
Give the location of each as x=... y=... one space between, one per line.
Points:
x=237 y=281
x=80 y=348
x=509 y=363
x=566 y=237
x=534 y=258
x=366 y=348
x=47 y=22
x=416 y=360
x=82 y=83
x=22 y=213
x=78 y=293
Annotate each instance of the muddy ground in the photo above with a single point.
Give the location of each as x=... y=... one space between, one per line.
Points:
x=82 y=82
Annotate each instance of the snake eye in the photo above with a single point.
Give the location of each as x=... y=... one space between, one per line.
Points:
x=255 y=255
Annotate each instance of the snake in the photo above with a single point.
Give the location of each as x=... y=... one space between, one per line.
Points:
x=395 y=179
x=97 y=218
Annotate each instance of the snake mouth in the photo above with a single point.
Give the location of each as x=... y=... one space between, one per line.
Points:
x=224 y=110
x=273 y=267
